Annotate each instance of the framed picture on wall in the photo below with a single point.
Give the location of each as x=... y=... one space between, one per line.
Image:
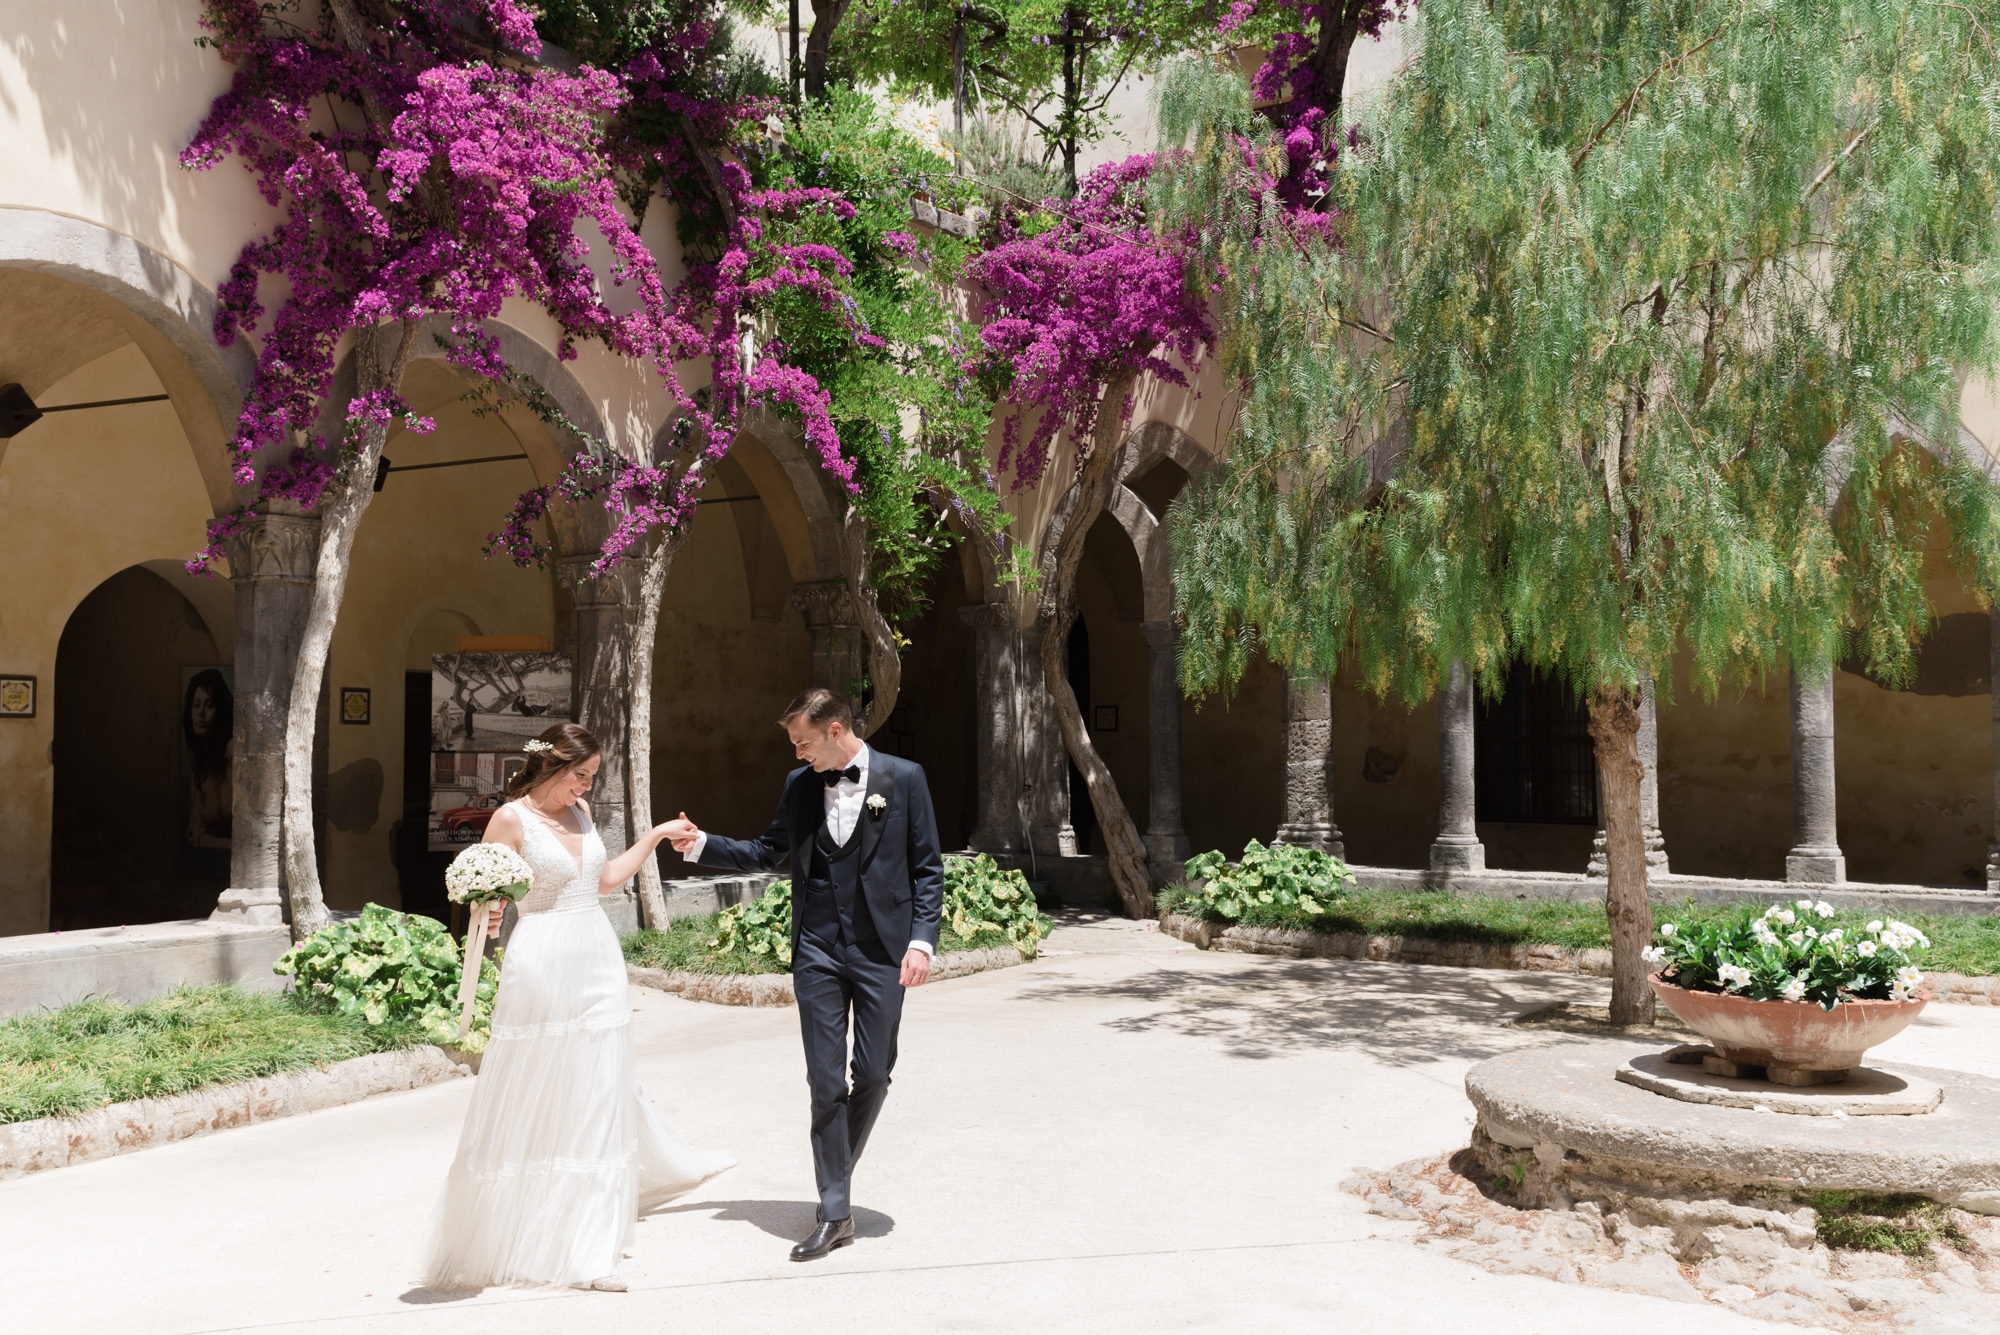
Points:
x=17 y=697
x=354 y=704
x=496 y=701
x=1107 y=718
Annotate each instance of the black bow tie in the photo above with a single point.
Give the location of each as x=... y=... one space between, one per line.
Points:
x=833 y=776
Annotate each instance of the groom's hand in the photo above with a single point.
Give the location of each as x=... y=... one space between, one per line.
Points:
x=916 y=967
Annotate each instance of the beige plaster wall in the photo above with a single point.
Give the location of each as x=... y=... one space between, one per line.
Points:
x=1233 y=763
x=82 y=496
x=1387 y=811
x=417 y=573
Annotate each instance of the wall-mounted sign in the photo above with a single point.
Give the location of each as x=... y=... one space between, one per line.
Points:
x=17 y=697
x=354 y=704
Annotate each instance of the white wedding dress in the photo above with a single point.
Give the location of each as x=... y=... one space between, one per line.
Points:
x=560 y=1146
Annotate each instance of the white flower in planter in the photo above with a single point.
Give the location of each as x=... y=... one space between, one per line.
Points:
x=1834 y=936
x=1866 y=950
x=1875 y=926
x=1732 y=976
x=1823 y=909
x=1794 y=989
x=1653 y=954
x=1668 y=929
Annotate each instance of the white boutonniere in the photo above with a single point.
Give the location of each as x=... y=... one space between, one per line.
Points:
x=877 y=804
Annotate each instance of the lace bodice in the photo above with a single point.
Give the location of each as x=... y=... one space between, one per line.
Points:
x=560 y=884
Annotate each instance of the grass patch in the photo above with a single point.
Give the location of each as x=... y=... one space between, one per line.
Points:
x=1966 y=943
x=683 y=948
x=74 y=1060
x=1864 y=1222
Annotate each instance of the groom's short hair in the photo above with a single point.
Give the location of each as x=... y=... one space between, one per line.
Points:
x=820 y=707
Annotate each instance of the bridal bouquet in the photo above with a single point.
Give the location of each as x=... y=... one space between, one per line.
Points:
x=478 y=876
x=485 y=872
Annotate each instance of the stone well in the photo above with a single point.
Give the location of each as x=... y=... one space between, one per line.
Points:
x=1623 y=1123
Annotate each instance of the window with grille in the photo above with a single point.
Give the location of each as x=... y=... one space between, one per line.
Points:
x=1534 y=758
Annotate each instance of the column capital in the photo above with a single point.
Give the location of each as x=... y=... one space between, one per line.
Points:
x=988 y=616
x=274 y=547
x=825 y=604
x=616 y=587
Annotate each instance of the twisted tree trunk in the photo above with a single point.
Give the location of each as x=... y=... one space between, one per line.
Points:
x=1092 y=490
x=885 y=665
x=639 y=764
x=380 y=355
x=1614 y=728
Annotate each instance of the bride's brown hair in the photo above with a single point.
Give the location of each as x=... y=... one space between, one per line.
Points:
x=566 y=745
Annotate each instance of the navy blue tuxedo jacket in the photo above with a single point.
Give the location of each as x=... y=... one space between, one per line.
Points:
x=902 y=870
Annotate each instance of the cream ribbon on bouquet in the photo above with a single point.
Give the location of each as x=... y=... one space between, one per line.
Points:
x=477 y=877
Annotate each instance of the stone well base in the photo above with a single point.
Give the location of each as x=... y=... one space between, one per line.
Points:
x=1561 y=1122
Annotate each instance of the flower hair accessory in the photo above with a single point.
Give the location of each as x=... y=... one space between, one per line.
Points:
x=536 y=744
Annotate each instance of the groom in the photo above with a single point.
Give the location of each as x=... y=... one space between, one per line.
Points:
x=867 y=892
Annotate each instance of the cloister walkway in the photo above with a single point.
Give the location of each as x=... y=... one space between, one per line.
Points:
x=1127 y=1135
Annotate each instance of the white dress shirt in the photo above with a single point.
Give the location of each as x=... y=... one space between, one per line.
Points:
x=843 y=811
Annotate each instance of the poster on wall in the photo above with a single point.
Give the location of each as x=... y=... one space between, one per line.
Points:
x=207 y=735
x=483 y=708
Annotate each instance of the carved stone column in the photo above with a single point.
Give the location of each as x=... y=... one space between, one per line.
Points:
x=1309 y=767
x=1815 y=855
x=1649 y=791
x=271 y=566
x=605 y=608
x=838 y=648
x=1166 y=840
x=1000 y=823
x=1457 y=847
x=1023 y=766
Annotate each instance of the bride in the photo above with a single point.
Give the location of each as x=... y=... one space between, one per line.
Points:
x=560 y=1145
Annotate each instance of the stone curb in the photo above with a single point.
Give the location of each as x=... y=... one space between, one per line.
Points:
x=121 y=1128
x=775 y=989
x=1596 y=963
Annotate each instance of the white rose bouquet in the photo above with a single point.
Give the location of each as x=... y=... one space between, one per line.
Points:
x=486 y=872
x=477 y=877
x=1793 y=952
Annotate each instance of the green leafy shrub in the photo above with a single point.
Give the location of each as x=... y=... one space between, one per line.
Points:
x=1283 y=876
x=760 y=928
x=1793 y=952
x=392 y=968
x=981 y=902
x=59 y=1063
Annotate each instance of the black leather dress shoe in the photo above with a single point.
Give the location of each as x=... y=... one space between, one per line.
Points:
x=830 y=1234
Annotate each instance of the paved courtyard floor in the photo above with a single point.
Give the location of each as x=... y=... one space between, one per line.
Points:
x=1127 y=1135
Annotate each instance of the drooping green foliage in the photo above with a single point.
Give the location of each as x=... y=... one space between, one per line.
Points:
x=392 y=968
x=1639 y=330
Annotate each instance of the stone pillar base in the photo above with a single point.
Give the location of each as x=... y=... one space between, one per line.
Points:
x=1166 y=856
x=1455 y=853
x=1323 y=835
x=1993 y=868
x=1817 y=866
x=258 y=906
x=1656 y=854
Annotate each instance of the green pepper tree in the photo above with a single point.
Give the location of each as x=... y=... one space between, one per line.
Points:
x=1624 y=333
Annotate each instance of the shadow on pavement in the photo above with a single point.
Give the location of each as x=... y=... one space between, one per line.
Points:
x=1402 y=1015
x=422 y=1297
x=790 y=1220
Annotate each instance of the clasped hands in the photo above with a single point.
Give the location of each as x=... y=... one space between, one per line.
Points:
x=682 y=833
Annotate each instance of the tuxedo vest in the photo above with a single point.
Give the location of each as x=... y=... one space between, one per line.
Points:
x=834 y=912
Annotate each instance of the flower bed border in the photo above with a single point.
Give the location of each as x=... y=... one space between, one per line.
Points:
x=140 y=1124
x=1297 y=943
x=775 y=989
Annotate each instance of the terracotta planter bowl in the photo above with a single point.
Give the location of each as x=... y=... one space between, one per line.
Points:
x=1795 y=1034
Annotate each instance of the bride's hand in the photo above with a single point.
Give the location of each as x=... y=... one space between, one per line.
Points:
x=494 y=914
x=679 y=832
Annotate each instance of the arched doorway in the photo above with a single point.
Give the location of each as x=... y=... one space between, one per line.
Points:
x=144 y=709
